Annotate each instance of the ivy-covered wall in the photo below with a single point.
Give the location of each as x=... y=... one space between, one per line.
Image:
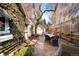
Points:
x=17 y=25
x=17 y=22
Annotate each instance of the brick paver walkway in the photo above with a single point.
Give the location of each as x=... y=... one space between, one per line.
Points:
x=44 y=48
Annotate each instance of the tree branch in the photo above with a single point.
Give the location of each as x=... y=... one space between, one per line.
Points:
x=43 y=13
x=46 y=11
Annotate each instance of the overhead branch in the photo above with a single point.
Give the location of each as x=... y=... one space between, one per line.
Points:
x=45 y=11
x=40 y=7
x=56 y=6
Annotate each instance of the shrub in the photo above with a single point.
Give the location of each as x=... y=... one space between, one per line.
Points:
x=25 y=51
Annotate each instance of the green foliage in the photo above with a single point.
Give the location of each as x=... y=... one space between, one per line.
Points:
x=25 y=51
x=29 y=52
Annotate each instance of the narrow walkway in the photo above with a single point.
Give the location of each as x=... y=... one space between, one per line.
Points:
x=44 y=48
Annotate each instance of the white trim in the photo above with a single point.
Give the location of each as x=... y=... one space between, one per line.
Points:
x=6 y=37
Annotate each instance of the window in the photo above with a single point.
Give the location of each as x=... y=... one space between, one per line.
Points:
x=4 y=26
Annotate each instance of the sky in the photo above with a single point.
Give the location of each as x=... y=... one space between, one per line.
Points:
x=47 y=15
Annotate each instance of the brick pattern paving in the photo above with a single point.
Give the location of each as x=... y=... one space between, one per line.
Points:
x=44 y=48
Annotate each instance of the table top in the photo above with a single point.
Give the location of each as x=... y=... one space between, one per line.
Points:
x=50 y=35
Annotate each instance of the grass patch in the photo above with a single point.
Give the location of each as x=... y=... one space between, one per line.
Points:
x=25 y=51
